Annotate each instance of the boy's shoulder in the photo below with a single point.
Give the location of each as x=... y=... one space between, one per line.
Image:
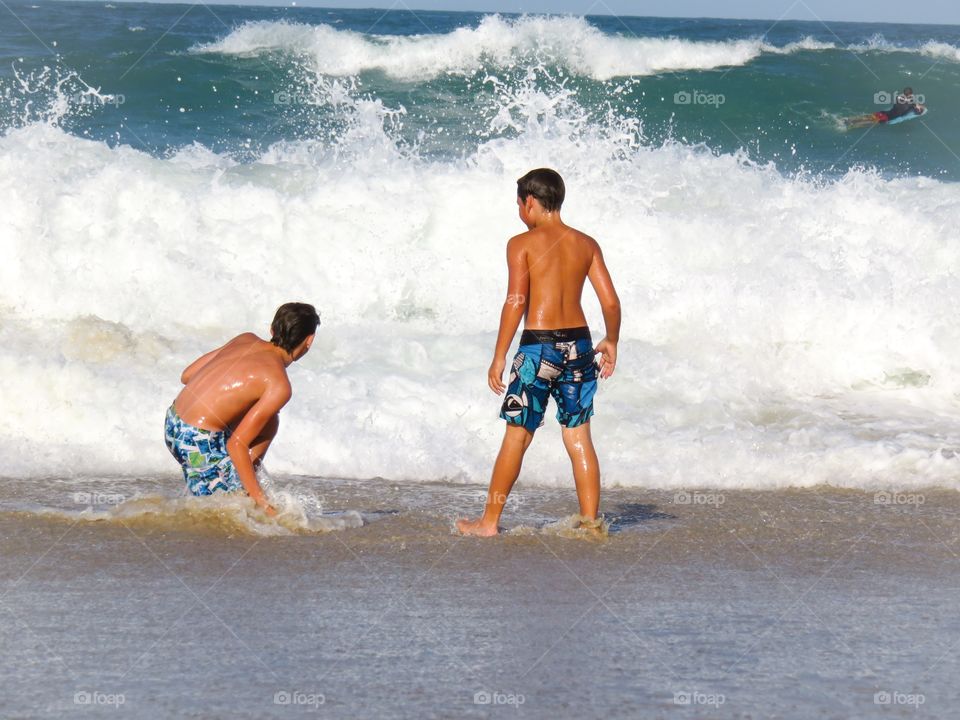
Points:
x=582 y=235
x=241 y=340
x=522 y=237
x=520 y=243
x=532 y=236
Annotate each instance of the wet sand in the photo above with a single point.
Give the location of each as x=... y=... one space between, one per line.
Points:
x=807 y=603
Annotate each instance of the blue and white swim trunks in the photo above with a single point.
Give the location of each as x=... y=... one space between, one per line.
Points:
x=207 y=467
x=552 y=362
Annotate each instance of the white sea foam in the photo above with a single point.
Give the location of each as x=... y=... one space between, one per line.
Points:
x=942 y=50
x=808 y=43
x=570 y=41
x=931 y=48
x=224 y=513
x=778 y=331
x=500 y=42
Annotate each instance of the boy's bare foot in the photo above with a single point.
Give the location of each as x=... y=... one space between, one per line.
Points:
x=596 y=527
x=477 y=528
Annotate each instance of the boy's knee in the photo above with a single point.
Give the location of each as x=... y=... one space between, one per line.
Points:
x=519 y=436
x=577 y=436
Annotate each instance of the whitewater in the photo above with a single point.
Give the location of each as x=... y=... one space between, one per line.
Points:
x=569 y=41
x=781 y=328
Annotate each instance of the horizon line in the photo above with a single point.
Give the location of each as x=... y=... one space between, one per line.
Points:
x=407 y=8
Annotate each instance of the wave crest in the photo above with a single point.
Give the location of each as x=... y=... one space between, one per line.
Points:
x=570 y=42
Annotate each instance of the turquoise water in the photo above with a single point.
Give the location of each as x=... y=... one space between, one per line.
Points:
x=237 y=80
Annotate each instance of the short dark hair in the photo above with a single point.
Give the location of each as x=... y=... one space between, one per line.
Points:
x=908 y=91
x=545 y=185
x=293 y=323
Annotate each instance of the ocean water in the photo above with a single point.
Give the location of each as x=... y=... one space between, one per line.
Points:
x=171 y=174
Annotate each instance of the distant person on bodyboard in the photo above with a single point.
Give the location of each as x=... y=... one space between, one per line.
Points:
x=223 y=421
x=904 y=106
x=548 y=266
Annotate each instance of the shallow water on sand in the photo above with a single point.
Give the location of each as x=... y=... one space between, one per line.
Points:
x=808 y=603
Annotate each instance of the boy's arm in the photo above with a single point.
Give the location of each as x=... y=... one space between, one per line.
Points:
x=257 y=417
x=610 y=305
x=514 y=308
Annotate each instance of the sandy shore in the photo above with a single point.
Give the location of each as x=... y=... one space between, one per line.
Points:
x=812 y=603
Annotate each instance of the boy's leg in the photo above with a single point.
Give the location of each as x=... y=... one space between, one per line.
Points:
x=516 y=440
x=586 y=468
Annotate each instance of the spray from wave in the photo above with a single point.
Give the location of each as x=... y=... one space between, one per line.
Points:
x=48 y=95
x=931 y=48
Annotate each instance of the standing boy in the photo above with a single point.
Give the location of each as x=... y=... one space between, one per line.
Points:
x=548 y=266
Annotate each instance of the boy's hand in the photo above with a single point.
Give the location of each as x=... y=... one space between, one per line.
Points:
x=607 y=351
x=264 y=504
x=495 y=375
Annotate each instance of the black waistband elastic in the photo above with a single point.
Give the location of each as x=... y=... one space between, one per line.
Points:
x=540 y=337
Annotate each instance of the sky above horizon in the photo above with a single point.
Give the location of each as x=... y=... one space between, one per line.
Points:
x=916 y=11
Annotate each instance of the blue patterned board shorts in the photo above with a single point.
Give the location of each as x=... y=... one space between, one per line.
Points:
x=203 y=455
x=552 y=362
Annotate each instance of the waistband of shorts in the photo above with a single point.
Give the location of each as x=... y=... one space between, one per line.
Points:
x=545 y=337
x=173 y=415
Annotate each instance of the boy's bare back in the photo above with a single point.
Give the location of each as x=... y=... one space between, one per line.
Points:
x=222 y=423
x=224 y=384
x=557 y=261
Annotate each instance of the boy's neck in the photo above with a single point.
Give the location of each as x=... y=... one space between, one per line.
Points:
x=546 y=219
x=285 y=357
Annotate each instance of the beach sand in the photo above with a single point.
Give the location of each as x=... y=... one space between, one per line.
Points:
x=792 y=603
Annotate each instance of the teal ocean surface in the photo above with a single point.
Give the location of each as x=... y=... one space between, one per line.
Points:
x=238 y=80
